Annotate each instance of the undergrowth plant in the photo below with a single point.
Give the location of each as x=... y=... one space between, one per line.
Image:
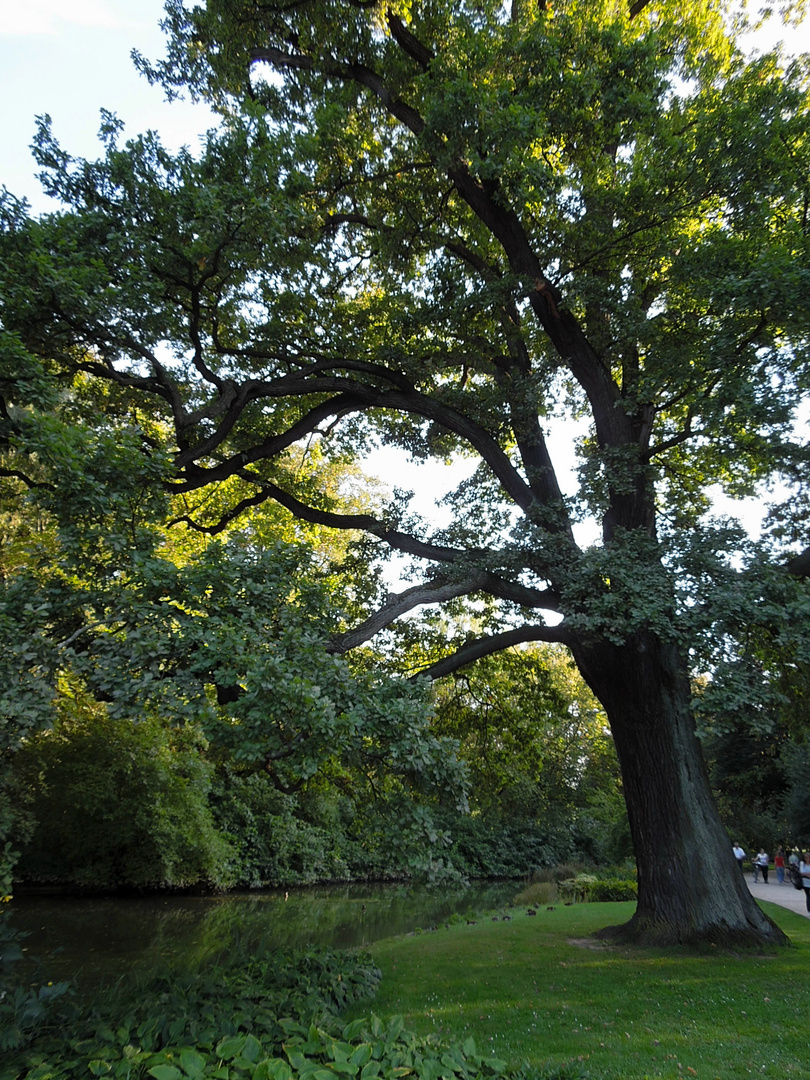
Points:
x=240 y=1017
x=28 y=1006
x=226 y=997
x=538 y=893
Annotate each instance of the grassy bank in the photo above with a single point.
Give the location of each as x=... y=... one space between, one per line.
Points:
x=538 y=989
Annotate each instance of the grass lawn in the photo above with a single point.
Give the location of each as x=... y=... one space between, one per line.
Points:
x=540 y=990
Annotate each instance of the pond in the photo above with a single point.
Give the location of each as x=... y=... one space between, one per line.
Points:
x=96 y=938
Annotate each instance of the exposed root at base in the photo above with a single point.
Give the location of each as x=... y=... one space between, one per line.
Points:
x=649 y=933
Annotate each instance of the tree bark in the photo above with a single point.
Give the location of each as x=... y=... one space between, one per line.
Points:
x=690 y=890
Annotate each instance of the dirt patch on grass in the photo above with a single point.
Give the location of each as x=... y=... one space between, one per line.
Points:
x=588 y=943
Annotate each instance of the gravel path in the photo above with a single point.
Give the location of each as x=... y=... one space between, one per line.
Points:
x=784 y=895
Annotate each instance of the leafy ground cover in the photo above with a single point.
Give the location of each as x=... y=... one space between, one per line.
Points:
x=540 y=990
x=240 y=1016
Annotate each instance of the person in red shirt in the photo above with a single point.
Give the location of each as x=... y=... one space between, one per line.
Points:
x=779 y=863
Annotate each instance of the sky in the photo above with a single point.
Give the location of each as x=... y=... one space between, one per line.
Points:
x=70 y=58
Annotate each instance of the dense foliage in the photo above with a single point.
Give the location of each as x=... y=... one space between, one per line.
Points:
x=105 y=803
x=193 y=731
x=116 y=803
x=186 y=705
x=539 y=751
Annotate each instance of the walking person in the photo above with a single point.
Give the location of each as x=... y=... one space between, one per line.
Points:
x=739 y=855
x=779 y=863
x=804 y=870
x=761 y=863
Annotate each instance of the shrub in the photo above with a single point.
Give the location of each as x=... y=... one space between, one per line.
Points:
x=300 y=839
x=585 y=888
x=539 y=893
x=490 y=846
x=557 y=873
x=118 y=803
x=607 y=889
x=577 y=889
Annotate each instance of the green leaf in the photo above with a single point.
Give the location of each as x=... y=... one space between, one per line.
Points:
x=355 y=1029
x=295 y=1057
x=163 y=1072
x=361 y=1054
x=192 y=1063
x=230 y=1047
x=252 y=1049
x=273 y=1069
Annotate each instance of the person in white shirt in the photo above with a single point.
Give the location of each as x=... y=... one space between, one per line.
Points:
x=762 y=860
x=804 y=870
x=739 y=854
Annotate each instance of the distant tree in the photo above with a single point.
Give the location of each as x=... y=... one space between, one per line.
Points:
x=796 y=763
x=446 y=227
x=540 y=755
x=534 y=737
x=754 y=719
x=117 y=804
x=749 y=778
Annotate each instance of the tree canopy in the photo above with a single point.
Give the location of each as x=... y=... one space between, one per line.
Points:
x=449 y=227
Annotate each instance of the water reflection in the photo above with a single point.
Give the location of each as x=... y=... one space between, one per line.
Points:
x=100 y=937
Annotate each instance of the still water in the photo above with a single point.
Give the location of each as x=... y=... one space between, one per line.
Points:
x=101 y=937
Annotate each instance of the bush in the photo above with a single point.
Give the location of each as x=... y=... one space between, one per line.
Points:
x=297 y=839
x=272 y=849
x=607 y=889
x=117 y=804
x=577 y=889
x=496 y=847
x=538 y=894
x=560 y=872
x=587 y=888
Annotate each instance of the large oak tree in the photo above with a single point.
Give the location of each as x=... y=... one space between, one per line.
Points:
x=450 y=226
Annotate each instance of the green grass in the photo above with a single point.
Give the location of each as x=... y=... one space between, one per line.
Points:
x=540 y=990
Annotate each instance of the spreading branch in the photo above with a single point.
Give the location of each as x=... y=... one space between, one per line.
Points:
x=16 y=474
x=398 y=541
x=400 y=604
x=476 y=650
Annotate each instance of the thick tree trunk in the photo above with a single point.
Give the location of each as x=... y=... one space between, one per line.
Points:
x=690 y=889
